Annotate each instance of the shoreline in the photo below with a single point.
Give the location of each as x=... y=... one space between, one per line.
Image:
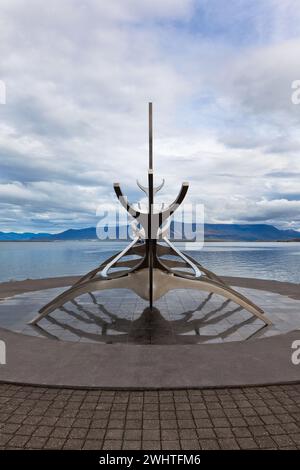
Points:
x=12 y=288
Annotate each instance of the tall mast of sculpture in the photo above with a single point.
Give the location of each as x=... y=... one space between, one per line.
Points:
x=150 y=241
x=150 y=138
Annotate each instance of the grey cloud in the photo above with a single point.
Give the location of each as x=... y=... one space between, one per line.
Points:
x=283 y=174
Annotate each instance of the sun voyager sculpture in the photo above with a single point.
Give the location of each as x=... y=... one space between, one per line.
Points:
x=151 y=274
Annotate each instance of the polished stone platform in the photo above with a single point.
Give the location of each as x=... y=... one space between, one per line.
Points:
x=180 y=317
x=192 y=339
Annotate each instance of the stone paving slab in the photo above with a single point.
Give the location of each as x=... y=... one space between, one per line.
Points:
x=191 y=419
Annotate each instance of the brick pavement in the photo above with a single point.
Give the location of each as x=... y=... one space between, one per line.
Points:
x=243 y=418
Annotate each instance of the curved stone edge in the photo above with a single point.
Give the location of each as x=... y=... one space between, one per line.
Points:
x=44 y=362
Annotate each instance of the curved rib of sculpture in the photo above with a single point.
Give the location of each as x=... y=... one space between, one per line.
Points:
x=151 y=275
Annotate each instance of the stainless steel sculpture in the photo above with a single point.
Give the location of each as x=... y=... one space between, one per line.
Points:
x=151 y=275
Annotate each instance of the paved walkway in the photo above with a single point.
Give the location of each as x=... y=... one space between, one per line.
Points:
x=237 y=418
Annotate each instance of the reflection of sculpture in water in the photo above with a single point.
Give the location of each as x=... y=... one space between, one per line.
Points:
x=147 y=328
x=152 y=274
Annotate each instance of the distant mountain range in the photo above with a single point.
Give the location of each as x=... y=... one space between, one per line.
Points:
x=249 y=232
x=218 y=232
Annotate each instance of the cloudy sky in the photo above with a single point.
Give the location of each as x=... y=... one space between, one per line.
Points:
x=79 y=75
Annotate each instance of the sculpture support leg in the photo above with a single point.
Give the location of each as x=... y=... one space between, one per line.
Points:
x=72 y=293
x=185 y=258
x=120 y=255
